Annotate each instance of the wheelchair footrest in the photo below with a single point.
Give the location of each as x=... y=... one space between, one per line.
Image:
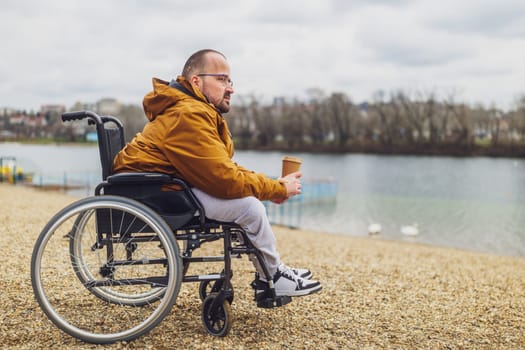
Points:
x=269 y=303
x=265 y=296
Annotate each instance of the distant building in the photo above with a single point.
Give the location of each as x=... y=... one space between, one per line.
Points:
x=83 y=106
x=108 y=106
x=36 y=121
x=22 y=124
x=16 y=119
x=6 y=111
x=52 y=109
x=279 y=101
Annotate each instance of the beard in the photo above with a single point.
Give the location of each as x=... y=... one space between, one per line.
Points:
x=224 y=105
x=223 y=108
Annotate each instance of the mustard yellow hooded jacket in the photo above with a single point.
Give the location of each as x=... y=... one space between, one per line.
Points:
x=187 y=137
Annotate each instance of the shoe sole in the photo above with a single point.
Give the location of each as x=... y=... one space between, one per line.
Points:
x=300 y=293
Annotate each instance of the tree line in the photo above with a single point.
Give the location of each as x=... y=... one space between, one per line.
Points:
x=393 y=123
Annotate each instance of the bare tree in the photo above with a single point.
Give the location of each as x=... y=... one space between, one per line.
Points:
x=517 y=120
x=487 y=124
x=418 y=114
x=266 y=127
x=133 y=118
x=463 y=131
x=293 y=124
x=389 y=118
x=444 y=115
x=494 y=116
x=318 y=126
x=240 y=119
x=339 y=111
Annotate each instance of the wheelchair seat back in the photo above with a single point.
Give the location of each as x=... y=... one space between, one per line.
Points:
x=177 y=208
x=115 y=142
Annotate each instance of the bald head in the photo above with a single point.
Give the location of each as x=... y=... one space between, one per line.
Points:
x=199 y=61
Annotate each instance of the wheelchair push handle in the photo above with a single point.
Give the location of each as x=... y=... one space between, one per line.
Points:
x=93 y=117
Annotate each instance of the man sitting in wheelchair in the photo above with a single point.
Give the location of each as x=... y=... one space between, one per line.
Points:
x=187 y=137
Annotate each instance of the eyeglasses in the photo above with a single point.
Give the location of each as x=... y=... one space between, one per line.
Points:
x=223 y=78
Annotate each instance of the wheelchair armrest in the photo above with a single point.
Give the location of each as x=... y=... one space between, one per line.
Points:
x=139 y=178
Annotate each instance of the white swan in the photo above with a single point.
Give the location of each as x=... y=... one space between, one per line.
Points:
x=374 y=229
x=410 y=230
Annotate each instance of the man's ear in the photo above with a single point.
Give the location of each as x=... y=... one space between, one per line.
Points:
x=195 y=80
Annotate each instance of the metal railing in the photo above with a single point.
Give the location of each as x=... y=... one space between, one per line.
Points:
x=314 y=192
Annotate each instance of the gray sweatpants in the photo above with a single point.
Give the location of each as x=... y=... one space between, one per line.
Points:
x=250 y=214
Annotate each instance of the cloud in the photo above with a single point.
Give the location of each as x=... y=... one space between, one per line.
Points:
x=499 y=19
x=401 y=36
x=61 y=51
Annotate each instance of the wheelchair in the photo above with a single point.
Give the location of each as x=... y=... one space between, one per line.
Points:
x=109 y=267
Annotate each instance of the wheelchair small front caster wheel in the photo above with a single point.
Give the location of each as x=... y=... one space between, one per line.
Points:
x=217 y=322
x=208 y=287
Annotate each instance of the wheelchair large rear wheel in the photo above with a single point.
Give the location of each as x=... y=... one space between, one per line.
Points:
x=96 y=260
x=86 y=253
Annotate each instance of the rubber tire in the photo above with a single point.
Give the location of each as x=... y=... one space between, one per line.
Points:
x=57 y=314
x=218 y=324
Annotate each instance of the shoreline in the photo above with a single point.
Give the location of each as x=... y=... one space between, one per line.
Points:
x=377 y=294
x=419 y=150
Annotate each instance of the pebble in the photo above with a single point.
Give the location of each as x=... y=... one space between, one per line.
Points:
x=377 y=294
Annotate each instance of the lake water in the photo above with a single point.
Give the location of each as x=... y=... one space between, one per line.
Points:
x=468 y=203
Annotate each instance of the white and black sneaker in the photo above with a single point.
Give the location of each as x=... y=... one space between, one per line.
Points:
x=303 y=273
x=287 y=283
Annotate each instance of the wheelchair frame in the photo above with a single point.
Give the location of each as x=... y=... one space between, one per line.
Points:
x=129 y=215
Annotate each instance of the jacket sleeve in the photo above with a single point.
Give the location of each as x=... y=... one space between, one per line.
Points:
x=194 y=147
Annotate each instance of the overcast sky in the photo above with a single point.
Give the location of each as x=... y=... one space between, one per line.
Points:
x=66 y=51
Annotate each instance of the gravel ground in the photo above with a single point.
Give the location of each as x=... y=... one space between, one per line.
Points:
x=377 y=294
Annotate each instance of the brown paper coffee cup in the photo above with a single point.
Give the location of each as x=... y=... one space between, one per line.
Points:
x=291 y=165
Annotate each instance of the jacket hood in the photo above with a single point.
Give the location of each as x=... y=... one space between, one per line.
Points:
x=164 y=96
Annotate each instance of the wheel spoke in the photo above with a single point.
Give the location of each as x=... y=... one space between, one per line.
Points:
x=90 y=279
